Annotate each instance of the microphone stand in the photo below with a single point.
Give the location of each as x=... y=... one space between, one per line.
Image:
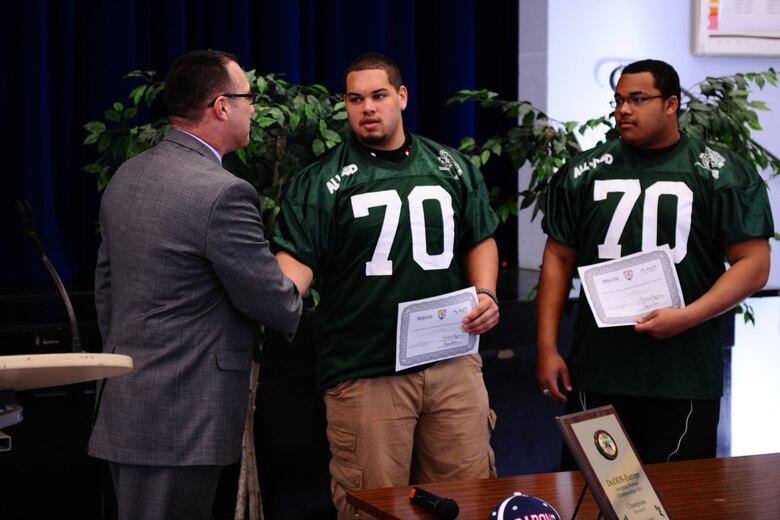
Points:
x=10 y=411
x=27 y=216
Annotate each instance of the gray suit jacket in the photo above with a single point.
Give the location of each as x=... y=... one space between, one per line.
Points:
x=183 y=275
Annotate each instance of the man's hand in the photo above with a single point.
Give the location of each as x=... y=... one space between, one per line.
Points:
x=748 y=273
x=662 y=323
x=483 y=317
x=549 y=368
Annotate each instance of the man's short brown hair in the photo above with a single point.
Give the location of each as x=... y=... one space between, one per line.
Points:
x=194 y=80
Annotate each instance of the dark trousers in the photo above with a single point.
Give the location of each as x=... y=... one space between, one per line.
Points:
x=164 y=492
x=661 y=430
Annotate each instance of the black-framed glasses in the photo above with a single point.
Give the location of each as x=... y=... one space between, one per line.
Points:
x=251 y=96
x=632 y=100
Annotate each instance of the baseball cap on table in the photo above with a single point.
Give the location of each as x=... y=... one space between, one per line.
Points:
x=523 y=507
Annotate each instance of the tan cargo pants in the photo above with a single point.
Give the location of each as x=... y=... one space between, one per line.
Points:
x=428 y=426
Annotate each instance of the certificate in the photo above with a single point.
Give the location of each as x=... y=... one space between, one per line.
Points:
x=431 y=329
x=620 y=291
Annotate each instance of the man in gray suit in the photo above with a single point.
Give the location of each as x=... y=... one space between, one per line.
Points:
x=183 y=274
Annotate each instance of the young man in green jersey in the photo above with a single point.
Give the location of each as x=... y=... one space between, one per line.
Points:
x=654 y=186
x=384 y=218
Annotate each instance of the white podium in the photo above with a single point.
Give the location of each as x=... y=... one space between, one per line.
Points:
x=27 y=372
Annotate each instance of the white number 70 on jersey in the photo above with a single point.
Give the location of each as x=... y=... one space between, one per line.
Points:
x=380 y=263
x=632 y=190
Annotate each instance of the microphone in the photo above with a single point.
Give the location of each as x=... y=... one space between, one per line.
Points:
x=443 y=508
x=27 y=217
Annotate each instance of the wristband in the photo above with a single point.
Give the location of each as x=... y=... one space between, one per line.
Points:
x=490 y=293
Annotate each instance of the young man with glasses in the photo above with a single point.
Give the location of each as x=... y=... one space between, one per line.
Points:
x=654 y=186
x=183 y=275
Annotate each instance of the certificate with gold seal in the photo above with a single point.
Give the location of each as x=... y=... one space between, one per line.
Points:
x=622 y=290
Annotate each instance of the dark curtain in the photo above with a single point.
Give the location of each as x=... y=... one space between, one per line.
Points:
x=65 y=65
x=68 y=59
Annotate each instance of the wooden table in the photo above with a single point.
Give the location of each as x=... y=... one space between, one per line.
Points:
x=727 y=488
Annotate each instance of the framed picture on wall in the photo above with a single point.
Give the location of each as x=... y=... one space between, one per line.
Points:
x=735 y=27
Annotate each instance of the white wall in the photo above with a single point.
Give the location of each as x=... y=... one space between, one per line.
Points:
x=755 y=394
x=568 y=49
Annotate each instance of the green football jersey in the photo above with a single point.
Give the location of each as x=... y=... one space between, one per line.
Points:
x=615 y=200
x=377 y=233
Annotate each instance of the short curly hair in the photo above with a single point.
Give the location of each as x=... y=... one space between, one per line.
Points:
x=666 y=78
x=373 y=61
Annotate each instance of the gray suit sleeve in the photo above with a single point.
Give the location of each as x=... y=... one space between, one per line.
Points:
x=103 y=290
x=243 y=261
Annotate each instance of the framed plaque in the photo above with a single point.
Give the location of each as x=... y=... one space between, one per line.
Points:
x=610 y=465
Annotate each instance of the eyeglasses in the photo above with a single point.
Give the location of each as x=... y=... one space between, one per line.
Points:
x=632 y=100
x=251 y=96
